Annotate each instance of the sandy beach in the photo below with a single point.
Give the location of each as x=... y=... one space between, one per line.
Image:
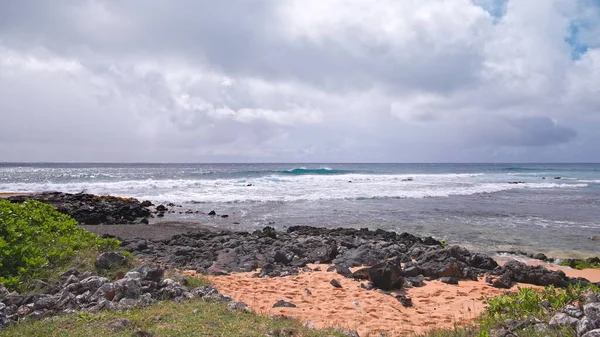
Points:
x=435 y=306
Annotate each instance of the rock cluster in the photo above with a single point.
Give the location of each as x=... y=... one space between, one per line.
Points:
x=283 y=253
x=139 y=287
x=395 y=259
x=89 y=209
x=515 y=271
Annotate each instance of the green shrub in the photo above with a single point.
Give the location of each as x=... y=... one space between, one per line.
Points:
x=35 y=237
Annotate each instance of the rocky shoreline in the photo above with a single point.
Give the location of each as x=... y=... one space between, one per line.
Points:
x=380 y=259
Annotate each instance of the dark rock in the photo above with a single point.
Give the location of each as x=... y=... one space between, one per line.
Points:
x=161 y=209
x=212 y=213
x=503 y=281
x=90 y=209
x=224 y=216
x=417 y=281
x=283 y=304
x=367 y=286
x=335 y=283
x=343 y=270
x=537 y=275
x=111 y=260
x=386 y=275
x=404 y=300
x=4 y=320
x=13 y=299
x=540 y=256
x=449 y=280
x=361 y=274
x=282 y=257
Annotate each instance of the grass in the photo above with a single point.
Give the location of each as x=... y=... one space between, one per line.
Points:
x=191 y=318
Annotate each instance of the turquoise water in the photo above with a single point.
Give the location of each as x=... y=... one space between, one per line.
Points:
x=539 y=207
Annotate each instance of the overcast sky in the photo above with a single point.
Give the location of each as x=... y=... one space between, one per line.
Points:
x=300 y=80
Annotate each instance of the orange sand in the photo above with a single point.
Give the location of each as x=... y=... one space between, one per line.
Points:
x=436 y=305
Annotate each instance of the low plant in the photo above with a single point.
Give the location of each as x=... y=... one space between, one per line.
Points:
x=580 y=264
x=35 y=239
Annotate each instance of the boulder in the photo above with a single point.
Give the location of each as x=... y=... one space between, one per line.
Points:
x=386 y=275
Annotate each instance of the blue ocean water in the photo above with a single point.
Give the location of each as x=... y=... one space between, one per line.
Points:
x=552 y=208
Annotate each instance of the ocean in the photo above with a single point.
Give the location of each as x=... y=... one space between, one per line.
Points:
x=550 y=208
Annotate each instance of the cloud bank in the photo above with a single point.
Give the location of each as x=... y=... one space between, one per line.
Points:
x=300 y=80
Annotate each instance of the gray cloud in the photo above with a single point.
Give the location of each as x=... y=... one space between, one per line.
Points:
x=296 y=80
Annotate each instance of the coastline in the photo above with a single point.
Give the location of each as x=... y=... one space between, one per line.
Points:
x=436 y=303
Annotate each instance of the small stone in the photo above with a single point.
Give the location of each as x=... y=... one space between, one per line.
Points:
x=240 y=306
x=119 y=324
x=212 y=324
x=335 y=283
x=283 y=304
x=573 y=311
x=449 y=280
x=367 y=286
x=404 y=300
x=343 y=270
x=307 y=292
x=142 y=333
x=212 y=213
x=562 y=320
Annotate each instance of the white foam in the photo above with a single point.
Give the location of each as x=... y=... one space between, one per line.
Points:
x=292 y=188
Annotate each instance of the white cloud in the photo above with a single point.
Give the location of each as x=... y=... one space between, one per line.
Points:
x=298 y=80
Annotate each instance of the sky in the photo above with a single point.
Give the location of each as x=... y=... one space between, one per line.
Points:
x=300 y=80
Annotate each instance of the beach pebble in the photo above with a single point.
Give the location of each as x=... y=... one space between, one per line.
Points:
x=283 y=304
x=335 y=283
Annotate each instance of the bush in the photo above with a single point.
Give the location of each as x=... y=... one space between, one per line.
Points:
x=35 y=237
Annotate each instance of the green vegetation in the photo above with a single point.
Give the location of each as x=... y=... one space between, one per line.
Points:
x=191 y=318
x=36 y=241
x=580 y=264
